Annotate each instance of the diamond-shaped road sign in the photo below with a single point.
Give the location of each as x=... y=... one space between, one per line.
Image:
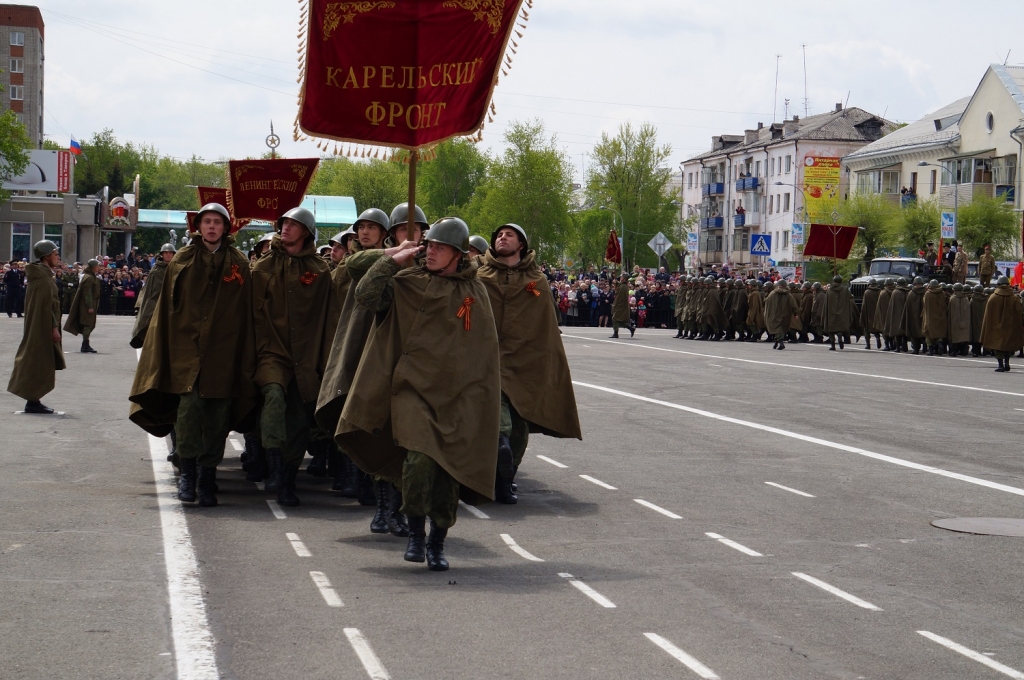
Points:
x=761 y=244
x=660 y=244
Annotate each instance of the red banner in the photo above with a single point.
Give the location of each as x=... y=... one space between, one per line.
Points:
x=223 y=197
x=830 y=240
x=266 y=189
x=613 y=253
x=403 y=73
x=64 y=173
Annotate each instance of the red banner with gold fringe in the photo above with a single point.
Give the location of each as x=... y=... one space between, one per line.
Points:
x=266 y=189
x=403 y=73
x=223 y=197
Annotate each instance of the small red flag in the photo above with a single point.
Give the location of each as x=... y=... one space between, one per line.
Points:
x=613 y=253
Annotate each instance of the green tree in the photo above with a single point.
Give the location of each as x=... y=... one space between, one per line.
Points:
x=529 y=184
x=372 y=183
x=448 y=182
x=630 y=173
x=875 y=216
x=917 y=225
x=14 y=146
x=988 y=220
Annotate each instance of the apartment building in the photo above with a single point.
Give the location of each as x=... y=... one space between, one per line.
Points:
x=21 y=66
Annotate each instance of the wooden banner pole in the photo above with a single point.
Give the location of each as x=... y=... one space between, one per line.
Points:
x=413 y=154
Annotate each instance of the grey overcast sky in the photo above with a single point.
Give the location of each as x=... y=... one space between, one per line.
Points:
x=208 y=76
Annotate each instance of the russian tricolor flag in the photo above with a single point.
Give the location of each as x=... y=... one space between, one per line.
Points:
x=75 y=147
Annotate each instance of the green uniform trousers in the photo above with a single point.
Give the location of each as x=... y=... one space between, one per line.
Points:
x=202 y=428
x=86 y=332
x=428 y=490
x=285 y=422
x=512 y=425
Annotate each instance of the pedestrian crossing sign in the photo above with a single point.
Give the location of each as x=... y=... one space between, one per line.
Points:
x=761 y=244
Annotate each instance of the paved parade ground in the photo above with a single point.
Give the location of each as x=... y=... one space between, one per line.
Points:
x=733 y=512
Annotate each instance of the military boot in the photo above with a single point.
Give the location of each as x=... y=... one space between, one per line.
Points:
x=504 y=456
x=379 y=523
x=256 y=465
x=187 y=480
x=37 y=407
x=86 y=349
x=841 y=344
x=350 y=485
x=503 y=490
x=207 y=486
x=415 y=550
x=318 y=466
x=274 y=471
x=615 y=334
x=286 y=493
x=832 y=344
x=679 y=333
x=365 y=493
x=397 y=523
x=435 y=548
x=1006 y=364
x=1000 y=369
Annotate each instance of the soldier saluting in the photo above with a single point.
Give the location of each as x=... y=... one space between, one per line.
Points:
x=536 y=388
x=196 y=368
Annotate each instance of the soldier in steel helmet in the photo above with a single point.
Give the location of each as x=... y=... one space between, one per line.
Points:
x=536 y=387
x=836 y=313
x=978 y=300
x=40 y=354
x=959 y=320
x=477 y=245
x=82 y=316
x=151 y=294
x=262 y=246
x=779 y=309
x=936 y=318
x=429 y=381
x=1002 y=330
x=867 y=314
x=291 y=295
x=755 y=311
x=195 y=373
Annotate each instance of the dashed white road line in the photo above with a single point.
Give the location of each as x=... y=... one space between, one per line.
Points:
x=374 y=668
x=971 y=654
x=276 y=509
x=300 y=548
x=324 y=585
x=733 y=544
x=930 y=383
x=510 y=542
x=813 y=440
x=589 y=592
x=652 y=506
x=475 y=511
x=838 y=593
x=552 y=461
x=236 y=445
x=592 y=480
x=190 y=627
x=786 y=488
x=681 y=656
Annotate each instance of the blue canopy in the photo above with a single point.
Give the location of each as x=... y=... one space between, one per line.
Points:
x=329 y=211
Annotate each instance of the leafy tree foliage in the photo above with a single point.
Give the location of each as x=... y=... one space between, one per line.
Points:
x=14 y=145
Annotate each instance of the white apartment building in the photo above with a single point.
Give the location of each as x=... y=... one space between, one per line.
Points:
x=754 y=183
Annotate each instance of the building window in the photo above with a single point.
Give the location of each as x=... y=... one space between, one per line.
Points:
x=757 y=171
x=789 y=164
x=21 y=234
x=756 y=206
x=913 y=182
x=18 y=38
x=1004 y=170
x=890 y=182
x=934 y=179
x=773 y=167
x=17 y=65
x=20 y=117
x=785 y=239
x=53 y=232
x=17 y=92
x=785 y=201
x=990 y=121
x=689 y=181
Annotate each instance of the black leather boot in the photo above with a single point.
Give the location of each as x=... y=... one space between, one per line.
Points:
x=503 y=490
x=187 y=480
x=350 y=488
x=397 y=523
x=382 y=493
x=207 y=486
x=364 y=492
x=1000 y=369
x=415 y=550
x=286 y=494
x=1006 y=364
x=435 y=548
x=37 y=407
x=504 y=456
x=318 y=466
x=274 y=471
x=256 y=466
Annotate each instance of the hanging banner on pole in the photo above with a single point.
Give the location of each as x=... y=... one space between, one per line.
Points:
x=948 y=225
x=266 y=189
x=830 y=240
x=691 y=241
x=796 y=234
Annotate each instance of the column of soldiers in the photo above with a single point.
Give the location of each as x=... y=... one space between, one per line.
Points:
x=410 y=369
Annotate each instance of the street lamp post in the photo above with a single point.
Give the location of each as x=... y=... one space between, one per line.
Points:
x=622 y=225
x=956 y=202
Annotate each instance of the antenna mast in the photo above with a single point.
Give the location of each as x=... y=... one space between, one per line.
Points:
x=775 y=100
x=807 y=103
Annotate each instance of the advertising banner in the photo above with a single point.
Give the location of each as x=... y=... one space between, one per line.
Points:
x=46 y=171
x=691 y=241
x=796 y=234
x=821 y=184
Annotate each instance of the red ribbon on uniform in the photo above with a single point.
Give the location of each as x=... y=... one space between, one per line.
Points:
x=531 y=287
x=235 y=276
x=464 y=312
x=308 y=278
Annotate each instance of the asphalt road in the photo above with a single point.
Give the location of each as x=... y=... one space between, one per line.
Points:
x=734 y=512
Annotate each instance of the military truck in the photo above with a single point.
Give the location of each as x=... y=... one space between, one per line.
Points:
x=882 y=268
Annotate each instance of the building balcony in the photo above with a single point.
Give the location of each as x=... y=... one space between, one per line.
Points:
x=712 y=222
x=748 y=184
x=713 y=189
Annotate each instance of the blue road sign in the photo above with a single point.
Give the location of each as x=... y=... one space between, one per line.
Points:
x=761 y=244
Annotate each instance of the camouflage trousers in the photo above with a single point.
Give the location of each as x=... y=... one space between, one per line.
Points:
x=512 y=425
x=202 y=428
x=428 y=490
x=285 y=422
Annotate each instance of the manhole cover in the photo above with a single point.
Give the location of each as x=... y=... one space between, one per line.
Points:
x=988 y=526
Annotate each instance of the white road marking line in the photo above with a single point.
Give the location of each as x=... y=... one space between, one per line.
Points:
x=510 y=542
x=809 y=368
x=815 y=440
x=475 y=511
x=589 y=592
x=190 y=628
x=835 y=591
x=324 y=585
x=371 y=663
x=715 y=365
x=598 y=482
x=300 y=548
x=652 y=506
x=552 y=461
x=1018 y=409
x=733 y=544
x=236 y=445
x=971 y=654
x=276 y=509
x=786 y=488
x=681 y=656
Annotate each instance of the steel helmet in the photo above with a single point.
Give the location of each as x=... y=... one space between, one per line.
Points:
x=43 y=248
x=918 y=281
x=890 y=282
x=816 y=286
x=902 y=281
x=958 y=286
x=93 y=262
x=516 y=228
x=478 y=242
x=300 y=215
x=323 y=250
x=400 y=215
x=342 y=237
x=213 y=207
x=1003 y=281
x=807 y=285
x=168 y=248
x=979 y=288
x=451 y=231
x=837 y=279
x=375 y=215
x=934 y=284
